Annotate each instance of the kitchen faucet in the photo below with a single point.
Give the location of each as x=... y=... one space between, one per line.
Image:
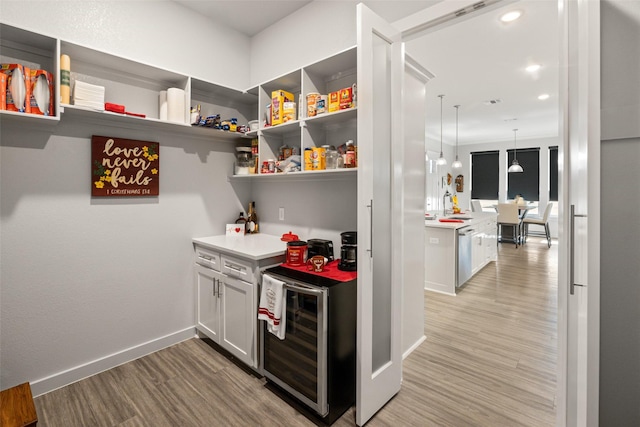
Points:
x=444 y=202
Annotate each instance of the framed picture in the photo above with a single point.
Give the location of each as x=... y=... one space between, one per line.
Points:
x=124 y=167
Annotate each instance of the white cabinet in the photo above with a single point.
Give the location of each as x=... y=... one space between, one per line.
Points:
x=226 y=309
x=227 y=274
x=484 y=248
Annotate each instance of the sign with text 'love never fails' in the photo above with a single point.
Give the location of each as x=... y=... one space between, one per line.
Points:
x=124 y=167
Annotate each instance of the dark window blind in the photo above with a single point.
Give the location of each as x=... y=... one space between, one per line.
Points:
x=527 y=183
x=553 y=174
x=485 y=175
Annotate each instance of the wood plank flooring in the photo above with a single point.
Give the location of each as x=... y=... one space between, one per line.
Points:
x=489 y=360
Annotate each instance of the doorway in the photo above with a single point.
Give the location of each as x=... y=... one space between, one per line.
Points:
x=507 y=112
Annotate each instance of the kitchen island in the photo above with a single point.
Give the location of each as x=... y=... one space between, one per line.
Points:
x=457 y=247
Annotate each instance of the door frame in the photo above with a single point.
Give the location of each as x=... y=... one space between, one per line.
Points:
x=444 y=14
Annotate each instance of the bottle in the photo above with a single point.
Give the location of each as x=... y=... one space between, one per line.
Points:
x=252 y=220
x=350 y=156
x=242 y=220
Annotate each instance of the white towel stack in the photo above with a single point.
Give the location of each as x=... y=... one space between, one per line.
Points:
x=88 y=95
x=273 y=305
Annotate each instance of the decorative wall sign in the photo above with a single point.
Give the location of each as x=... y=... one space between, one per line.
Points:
x=124 y=167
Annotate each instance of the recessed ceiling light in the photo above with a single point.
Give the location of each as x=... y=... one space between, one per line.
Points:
x=533 y=68
x=543 y=96
x=511 y=16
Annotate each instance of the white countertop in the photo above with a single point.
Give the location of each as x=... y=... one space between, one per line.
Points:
x=476 y=217
x=252 y=246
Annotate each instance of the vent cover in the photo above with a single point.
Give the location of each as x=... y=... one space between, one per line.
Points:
x=492 y=101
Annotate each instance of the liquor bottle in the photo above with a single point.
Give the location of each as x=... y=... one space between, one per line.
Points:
x=242 y=221
x=252 y=220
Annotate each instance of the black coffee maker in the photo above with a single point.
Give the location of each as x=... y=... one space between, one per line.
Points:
x=349 y=251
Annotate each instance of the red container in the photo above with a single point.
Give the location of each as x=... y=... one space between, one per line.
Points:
x=297 y=253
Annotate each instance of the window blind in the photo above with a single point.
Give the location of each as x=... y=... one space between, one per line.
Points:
x=485 y=175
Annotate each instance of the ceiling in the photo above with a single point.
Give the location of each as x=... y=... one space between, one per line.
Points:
x=475 y=61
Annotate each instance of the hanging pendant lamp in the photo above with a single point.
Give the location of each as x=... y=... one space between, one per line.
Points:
x=515 y=166
x=457 y=164
x=441 y=160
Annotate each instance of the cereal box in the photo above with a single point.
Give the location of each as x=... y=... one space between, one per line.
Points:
x=346 y=98
x=278 y=98
x=334 y=101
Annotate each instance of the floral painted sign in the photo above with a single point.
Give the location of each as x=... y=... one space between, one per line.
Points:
x=124 y=167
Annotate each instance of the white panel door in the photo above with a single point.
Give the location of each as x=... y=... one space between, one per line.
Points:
x=238 y=315
x=380 y=141
x=579 y=256
x=208 y=309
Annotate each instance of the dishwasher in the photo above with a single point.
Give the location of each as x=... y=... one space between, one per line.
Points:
x=465 y=249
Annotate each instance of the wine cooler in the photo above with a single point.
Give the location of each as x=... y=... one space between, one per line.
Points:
x=315 y=362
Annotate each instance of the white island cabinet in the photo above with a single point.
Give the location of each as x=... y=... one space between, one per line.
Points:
x=447 y=253
x=227 y=274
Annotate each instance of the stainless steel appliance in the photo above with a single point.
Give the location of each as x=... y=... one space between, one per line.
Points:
x=315 y=363
x=465 y=248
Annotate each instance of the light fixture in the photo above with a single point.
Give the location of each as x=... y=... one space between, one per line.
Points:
x=533 y=68
x=441 y=160
x=515 y=166
x=543 y=97
x=457 y=164
x=511 y=16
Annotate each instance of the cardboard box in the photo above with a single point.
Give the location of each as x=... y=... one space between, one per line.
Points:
x=278 y=98
x=12 y=70
x=289 y=112
x=346 y=98
x=36 y=78
x=334 y=101
x=3 y=91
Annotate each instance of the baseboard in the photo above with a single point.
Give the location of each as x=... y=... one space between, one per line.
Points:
x=439 y=288
x=61 y=379
x=414 y=346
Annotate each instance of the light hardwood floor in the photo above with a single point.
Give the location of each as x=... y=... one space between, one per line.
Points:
x=489 y=360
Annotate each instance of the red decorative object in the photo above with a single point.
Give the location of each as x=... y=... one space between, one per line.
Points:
x=289 y=237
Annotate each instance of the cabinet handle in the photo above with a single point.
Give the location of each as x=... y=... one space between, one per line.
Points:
x=219 y=288
x=214 y=286
x=233 y=267
x=370 y=250
x=572 y=283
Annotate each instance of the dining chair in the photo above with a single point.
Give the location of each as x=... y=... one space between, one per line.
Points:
x=538 y=220
x=508 y=216
x=476 y=206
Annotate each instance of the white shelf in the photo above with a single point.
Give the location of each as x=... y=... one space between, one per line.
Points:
x=340 y=116
x=283 y=128
x=326 y=174
x=115 y=119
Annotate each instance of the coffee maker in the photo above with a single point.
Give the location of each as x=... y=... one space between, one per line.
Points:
x=348 y=251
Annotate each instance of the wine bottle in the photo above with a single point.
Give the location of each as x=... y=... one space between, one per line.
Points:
x=252 y=220
x=242 y=221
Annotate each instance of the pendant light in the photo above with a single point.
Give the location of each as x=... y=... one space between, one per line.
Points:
x=441 y=160
x=457 y=164
x=515 y=166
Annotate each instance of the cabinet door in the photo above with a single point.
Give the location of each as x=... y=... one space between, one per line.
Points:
x=477 y=252
x=239 y=319
x=208 y=304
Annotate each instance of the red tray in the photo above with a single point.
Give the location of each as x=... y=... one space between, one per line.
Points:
x=330 y=271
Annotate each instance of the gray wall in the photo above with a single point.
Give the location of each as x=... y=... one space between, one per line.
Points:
x=620 y=230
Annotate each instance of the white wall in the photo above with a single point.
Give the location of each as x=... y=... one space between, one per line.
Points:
x=159 y=33
x=90 y=283
x=327 y=28
x=620 y=233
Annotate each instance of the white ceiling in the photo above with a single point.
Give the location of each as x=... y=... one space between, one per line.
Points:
x=476 y=60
